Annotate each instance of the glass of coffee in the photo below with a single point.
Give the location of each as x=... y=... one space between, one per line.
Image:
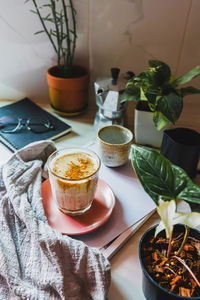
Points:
x=73 y=174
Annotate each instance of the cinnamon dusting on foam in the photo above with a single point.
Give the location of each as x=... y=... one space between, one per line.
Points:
x=74 y=165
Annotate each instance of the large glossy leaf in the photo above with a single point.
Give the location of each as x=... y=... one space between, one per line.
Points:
x=161 y=71
x=160 y=120
x=151 y=95
x=161 y=179
x=144 y=79
x=131 y=93
x=190 y=90
x=187 y=77
x=171 y=106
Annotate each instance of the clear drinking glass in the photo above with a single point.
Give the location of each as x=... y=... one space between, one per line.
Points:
x=73 y=174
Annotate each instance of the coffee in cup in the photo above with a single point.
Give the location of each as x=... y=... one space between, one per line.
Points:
x=114 y=142
x=73 y=174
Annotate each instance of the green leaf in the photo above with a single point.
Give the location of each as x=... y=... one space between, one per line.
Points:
x=171 y=106
x=38 y=32
x=187 y=77
x=191 y=192
x=130 y=83
x=33 y=11
x=46 y=5
x=154 y=172
x=142 y=95
x=131 y=93
x=167 y=89
x=144 y=80
x=151 y=96
x=161 y=179
x=160 y=120
x=190 y=90
x=162 y=72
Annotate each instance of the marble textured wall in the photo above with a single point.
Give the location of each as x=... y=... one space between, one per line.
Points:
x=122 y=33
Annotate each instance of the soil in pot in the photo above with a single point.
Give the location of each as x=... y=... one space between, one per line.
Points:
x=143 y=105
x=172 y=274
x=76 y=72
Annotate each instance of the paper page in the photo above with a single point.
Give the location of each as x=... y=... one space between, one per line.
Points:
x=132 y=203
x=110 y=250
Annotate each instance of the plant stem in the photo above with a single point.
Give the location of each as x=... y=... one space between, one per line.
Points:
x=187 y=230
x=63 y=39
x=61 y=34
x=53 y=9
x=69 y=59
x=189 y=270
x=44 y=26
x=74 y=28
x=169 y=245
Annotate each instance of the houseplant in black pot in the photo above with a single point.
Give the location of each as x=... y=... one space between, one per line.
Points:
x=159 y=100
x=169 y=253
x=68 y=83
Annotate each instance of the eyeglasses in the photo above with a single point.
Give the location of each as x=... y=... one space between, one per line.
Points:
x=29 y=124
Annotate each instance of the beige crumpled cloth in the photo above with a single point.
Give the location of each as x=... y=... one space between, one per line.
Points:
x=36 y=262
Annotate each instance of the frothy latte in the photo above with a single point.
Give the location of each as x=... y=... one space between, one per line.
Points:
x=73 y=177
x=74 y=166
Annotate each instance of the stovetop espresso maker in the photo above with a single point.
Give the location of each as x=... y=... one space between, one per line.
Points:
x=108 y=92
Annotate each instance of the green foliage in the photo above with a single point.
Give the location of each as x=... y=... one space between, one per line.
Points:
x=166 y=183
x=163 y=94
x=163 y=180
x=58 y=21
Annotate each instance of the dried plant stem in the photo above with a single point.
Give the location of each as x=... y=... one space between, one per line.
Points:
x=189 y=270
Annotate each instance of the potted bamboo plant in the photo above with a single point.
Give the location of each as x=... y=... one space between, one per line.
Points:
x=159 y=100
x=68 y=83
x=169 y=253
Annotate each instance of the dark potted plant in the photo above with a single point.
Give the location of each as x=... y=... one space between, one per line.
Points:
x=68 y=83
x=159 y=99
x=169 y=253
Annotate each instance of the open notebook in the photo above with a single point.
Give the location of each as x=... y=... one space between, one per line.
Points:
x=133 y=208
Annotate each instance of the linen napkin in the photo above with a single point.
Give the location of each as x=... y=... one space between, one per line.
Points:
x=37 y=262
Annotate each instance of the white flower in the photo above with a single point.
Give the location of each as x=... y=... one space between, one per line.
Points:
x=169 y=217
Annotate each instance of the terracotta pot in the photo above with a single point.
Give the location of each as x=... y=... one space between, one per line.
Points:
x=68 y=96
x=151 y=289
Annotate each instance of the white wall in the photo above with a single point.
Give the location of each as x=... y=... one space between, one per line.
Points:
x=122 y=33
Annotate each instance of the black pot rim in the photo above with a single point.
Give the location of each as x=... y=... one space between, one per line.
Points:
x=151 y=229
x=183 y=131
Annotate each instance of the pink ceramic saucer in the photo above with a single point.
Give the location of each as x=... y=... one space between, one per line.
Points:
x=100 y=211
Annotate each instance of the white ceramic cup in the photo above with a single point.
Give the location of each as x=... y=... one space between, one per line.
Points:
x=114 y=144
